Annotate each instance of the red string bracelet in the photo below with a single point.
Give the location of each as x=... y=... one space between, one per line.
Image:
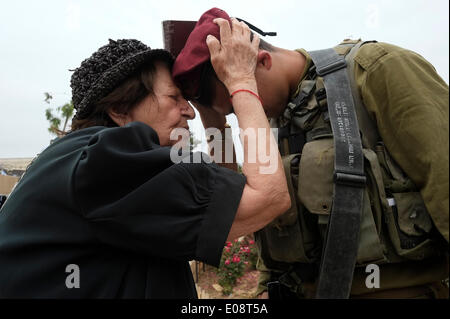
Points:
x=248 y=91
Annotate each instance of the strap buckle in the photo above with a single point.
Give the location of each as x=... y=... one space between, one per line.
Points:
x=332 y=67
x=350 y=179
x=321 y=94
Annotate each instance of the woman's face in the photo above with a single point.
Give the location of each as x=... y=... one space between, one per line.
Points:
x=166 y=110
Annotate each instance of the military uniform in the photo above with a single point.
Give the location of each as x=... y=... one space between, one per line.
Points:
x=406 y=210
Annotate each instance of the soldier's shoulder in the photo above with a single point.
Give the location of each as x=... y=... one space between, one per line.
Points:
x=372 y=52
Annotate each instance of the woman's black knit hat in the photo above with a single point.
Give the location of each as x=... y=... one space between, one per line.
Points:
x=106 y=69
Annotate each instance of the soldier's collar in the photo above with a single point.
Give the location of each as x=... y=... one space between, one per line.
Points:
x=304 y=72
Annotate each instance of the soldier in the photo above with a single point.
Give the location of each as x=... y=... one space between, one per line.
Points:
x=381 y=109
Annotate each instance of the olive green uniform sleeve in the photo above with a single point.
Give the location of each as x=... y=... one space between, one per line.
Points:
x=410 y=103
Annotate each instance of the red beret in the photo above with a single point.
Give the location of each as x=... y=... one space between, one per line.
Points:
x=187 y=68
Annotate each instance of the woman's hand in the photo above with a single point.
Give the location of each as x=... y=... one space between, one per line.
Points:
x=234 y=58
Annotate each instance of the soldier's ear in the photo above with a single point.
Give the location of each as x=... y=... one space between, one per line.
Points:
x=264 y=59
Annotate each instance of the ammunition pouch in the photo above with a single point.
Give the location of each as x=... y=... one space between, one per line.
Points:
x=316 y=193
x=410 y=228
x=289 y=238
x=395 y=226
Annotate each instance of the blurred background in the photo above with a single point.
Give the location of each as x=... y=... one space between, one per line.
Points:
x=41 y=41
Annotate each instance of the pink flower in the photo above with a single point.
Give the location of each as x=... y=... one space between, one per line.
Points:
x=227 y=262
x=236 y=259
x=246 y=262
x=229 y=244
x=251 y=242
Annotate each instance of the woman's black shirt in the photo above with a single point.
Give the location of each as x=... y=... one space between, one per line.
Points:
x=111 y=202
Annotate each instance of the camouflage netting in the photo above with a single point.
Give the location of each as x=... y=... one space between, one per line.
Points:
x=106 y=69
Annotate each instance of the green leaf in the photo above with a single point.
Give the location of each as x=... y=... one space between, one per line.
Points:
x=67 y=110
x=48 y=97
x=48 y=114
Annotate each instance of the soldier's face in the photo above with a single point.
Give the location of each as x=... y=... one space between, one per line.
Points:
x=221 y=102
x=221 y=99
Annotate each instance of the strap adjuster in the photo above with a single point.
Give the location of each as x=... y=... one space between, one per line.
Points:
x=332 y=67
x=350 y=179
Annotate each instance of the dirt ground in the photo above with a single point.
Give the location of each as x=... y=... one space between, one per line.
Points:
x=14 y=163
x=245 y=288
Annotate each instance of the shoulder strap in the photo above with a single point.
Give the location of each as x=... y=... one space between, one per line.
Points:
x=367 y=125
x=341 y=244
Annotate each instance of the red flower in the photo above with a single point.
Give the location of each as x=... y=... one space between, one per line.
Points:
x=251 y=242
x=229 y=244
x=227 y=262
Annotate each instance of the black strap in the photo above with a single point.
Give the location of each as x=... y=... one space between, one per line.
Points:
x=341 y=245
x=258 y=30
x=296 y=139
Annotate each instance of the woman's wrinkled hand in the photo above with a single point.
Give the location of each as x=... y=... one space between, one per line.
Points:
x=234 y=58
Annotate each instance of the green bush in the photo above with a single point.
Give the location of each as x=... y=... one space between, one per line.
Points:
x=237 y=257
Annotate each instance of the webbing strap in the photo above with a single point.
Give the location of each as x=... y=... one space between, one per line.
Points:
x=341 y=245
x=368 y=125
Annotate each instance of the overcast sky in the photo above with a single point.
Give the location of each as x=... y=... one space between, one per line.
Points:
x=41 y=40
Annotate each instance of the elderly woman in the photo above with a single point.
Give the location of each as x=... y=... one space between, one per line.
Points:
x=105 y=213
